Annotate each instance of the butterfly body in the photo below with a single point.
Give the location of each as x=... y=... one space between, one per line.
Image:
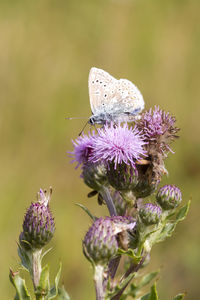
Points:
x=112 y=100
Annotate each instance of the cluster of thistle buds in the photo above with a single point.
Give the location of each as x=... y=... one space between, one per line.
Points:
x=124 y=164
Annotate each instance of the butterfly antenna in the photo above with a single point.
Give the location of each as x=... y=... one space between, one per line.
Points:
x=75 y=118
x=83 y=128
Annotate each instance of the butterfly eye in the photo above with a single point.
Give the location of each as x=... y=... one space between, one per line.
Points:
x=91 y=121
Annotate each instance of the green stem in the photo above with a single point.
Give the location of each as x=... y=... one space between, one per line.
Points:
x=98 y=280
x=105 y=193
x=37 y=268
x=36 y=271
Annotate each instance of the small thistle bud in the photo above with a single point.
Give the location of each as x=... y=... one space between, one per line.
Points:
x=150 y=214
x=169 y=197
x=122 y=177
x=101 y=240
x=38 y=225
x=94 y=175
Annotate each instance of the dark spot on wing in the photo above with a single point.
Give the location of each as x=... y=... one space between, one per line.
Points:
x=105 y=95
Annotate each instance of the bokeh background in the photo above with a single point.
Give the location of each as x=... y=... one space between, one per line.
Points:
x=46 y=50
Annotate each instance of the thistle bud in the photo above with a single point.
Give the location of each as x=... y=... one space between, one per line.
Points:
x=94 y=175
x=38 y=225
x=101 y=240
x=169 y=197
x=122 y=177
x=150 y=214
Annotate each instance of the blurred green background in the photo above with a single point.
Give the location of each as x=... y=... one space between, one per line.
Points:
x=46 y=51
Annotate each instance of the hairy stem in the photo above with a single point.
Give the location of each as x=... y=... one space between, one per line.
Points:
x=98 y=280
x=36 y=271
x=105 y=193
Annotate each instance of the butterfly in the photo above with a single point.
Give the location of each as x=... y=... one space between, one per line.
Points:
x=112 y=100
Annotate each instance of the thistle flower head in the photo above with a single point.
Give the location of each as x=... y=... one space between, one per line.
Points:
x=158 y=128
x=100 y=242
x=118 y=144
x=38 y=225
x=83 y=147
x=150 y=214
x=169 y=197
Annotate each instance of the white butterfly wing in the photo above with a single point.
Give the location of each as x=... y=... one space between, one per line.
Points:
x=100 y=89
x=109 y=95
x=128 y=96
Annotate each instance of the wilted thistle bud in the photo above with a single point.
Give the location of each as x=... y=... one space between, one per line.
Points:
x=94 y=175
x=38 y=225
x=147 y=181
x=150 y=214
x=169 y=197
x=101 y=240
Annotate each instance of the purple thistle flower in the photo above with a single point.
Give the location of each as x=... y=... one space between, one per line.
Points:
x=101 y=240
x=117 y=144
x=83 y=147
x=158 y=128
x=38 y=225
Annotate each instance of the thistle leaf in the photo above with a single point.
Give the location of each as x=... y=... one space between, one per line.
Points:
x=147 y=279
x=87 y=211
x=43 y=287
x=152 y=295
x=183 y=212
x=54 y=290
x=62 y=294
x=25 y=258
x=130 y=253
x=20 y=286
x=179 y=296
